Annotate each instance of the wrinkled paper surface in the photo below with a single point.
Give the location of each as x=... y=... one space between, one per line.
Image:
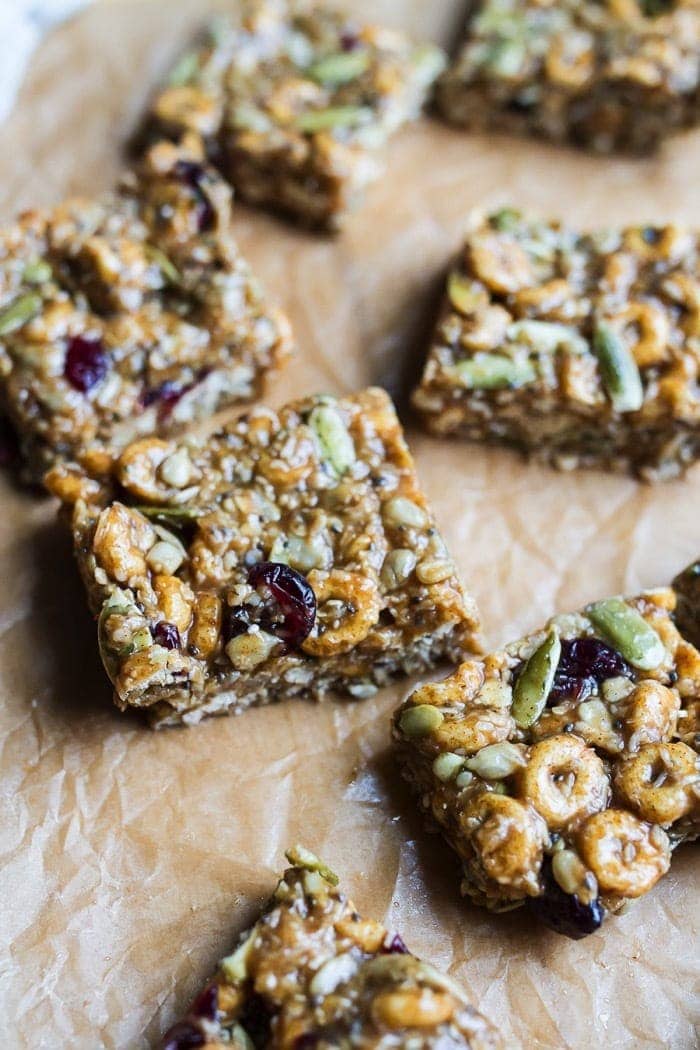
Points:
x=130 y=860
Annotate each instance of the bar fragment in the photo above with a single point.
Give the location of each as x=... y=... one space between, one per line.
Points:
x=130 y=315
x=294 y=102
x=581 y=349
x=312 y=974
x=564 y=768
x=617 y=76
x=290 y=554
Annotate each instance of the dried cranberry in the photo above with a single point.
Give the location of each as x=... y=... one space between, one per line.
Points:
x=207 y=1003
x=349 y=40
x=183 y=1036
x=194 y=175
x=585 y=663
x=167 y=394
x=564 y=912
x=167 y=635
x=294 y=618
x=395 y=946
x=86 y=363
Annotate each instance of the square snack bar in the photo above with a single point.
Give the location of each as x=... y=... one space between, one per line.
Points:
x=294 y=102
x=580 y=348
x=312 y=974
x=564 y=768
x=611 y=75
x=290 y=554
x=131 y=314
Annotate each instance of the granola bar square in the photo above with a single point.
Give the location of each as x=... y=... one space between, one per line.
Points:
x=130 y=315
x=564 y=768
x=294 y=102
x=313 y=973
x=579 y=348
x=610 y=76
x=290 y=554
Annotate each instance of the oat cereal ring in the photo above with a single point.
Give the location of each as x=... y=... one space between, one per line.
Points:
x=661 y=782
x=156 y=470
x=564 y=780
x=649 y=714
x=508 y=838
x=474 y=730
x=348 y=608
x=627 y=855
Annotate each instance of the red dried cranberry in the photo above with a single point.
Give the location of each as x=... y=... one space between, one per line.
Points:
x=166 y=634
x=585 y=663
x=183 y=1036
x=295 y=614
x=564 y=912
x=256 y=1019
x=349 y=40
x=194 y=175
x=86 y=363
x=395 y=946
x=207 y=1003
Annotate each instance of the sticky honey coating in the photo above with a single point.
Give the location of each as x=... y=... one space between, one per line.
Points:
x=295 y=100
x=130 y=314
x=614 y=76
x=580 y=349
x=567 y=790
x=291 y=553
x=312 y=973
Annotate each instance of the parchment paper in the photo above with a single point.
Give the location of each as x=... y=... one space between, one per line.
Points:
x=129 y=860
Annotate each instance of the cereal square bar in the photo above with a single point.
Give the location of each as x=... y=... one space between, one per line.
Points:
x=312 y=973
x=129 y=315
x=618 y=75
x=294 y=102
x=292 y=553
x=564 y=768
x=581 y=348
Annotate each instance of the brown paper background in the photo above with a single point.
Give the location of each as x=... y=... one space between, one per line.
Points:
x=130 y=860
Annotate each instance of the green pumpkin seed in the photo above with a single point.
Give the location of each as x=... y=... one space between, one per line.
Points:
x=115 y=605
x=37 y=272
x=429 y=61
x=300 y=857
x=334 y=117
x=165 y=265
x=629 y=632
x=506 y=220
x=337 y=446
x=447 y=766
x=493 y=372
x=339 y=68
x=246 y=117
x=465 y=296
x=618 y=370
x=19 y=312
x=240 y=1040
x=534 y=682
x=505 y=58
x=420 y=720
x=235 y=966
x=547 y=336
x=176 y=515
x=184 y=70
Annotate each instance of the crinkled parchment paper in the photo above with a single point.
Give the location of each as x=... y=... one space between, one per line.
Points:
x=129 y=860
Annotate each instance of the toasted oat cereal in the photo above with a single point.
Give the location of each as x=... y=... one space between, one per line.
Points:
x=564 y=768
x=582 y=349
x=292 y=553
x=312 y=974
x=294 y=102
x=605 y=74
x=132 y=314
